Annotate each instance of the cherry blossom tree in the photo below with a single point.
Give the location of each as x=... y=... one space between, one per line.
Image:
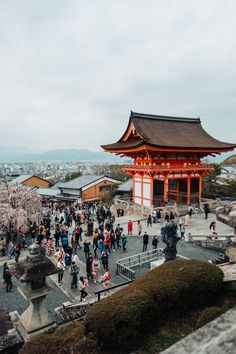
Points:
x=19 y=205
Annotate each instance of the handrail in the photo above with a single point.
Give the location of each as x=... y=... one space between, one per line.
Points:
x=191 y=237
x=124 y=265
x=98 y=292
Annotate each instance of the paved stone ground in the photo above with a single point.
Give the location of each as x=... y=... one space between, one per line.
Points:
x=198 y=225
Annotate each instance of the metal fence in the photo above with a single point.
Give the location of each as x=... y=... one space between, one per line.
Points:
x=124 y=265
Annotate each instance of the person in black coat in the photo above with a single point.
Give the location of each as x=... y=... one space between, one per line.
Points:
x=145 y=241
x=89 y=262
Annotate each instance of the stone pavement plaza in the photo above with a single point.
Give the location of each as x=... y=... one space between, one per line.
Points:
x=198 y=225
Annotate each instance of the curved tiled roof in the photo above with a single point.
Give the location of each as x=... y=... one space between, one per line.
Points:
x=168 y=132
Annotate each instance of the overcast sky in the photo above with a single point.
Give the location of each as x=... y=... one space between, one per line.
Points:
x=71 y=70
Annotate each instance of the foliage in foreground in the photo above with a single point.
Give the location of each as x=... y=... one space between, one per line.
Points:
x=174 y=287
x=208 y=315
x=118 y=322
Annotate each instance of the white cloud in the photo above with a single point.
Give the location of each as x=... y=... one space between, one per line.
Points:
x=70 y=71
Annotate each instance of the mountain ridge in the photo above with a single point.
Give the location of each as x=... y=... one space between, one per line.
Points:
x=21 y=154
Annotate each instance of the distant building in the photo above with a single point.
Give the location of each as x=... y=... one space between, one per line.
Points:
x=88 y=187
x=125 y=189
x=31 y=181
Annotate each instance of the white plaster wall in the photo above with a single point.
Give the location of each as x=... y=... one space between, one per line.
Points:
x=137 y=189
x=146 y=191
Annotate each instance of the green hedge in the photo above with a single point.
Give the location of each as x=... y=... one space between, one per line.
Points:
x=118 y=320
x=208 y=315
x=68 y=338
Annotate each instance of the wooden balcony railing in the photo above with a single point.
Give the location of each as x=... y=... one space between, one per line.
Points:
x=175 y=168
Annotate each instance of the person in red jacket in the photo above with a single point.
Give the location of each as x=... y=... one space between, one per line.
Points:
x=130 y=227
x=107 y=242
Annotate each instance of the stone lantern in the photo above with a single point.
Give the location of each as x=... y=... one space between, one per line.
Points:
x=32 y=273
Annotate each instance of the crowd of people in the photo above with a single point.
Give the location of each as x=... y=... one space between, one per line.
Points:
x=71 y=234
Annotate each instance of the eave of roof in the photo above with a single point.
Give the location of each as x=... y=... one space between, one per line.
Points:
x=170 y=133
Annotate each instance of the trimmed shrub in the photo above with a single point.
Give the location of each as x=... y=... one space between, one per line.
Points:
x=118 y=321
x=208 y=315
x=120 y=318
x=68 y=338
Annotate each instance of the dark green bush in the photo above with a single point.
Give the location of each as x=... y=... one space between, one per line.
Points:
x=173 y=287
x=69 y=338
x=120 y=318
x=208 y=315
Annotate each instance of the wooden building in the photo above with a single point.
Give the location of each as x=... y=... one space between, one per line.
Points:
x=166 y=153
x=88 y=187
x=31 y=181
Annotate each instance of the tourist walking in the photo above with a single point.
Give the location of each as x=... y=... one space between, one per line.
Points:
x=130 y=227
x=74 y=275
x=95 y=269
x=155 y=242
x=182 y=231
x=149 y=220
x=124 y=242
x=106 y=278
x=61 y=267
x=74 y=244
x=95 y=241
x=118 y=231
x=167 y=218
x=190 y=210
x=82 y=286
x=104 y=259
x=17 y=252
x=86 y=248
x=113 y=239
x=145 y=241
x=107 y=242
x=158 y=216
x=206 y=210
x=139 y=227
x=7 y=278
x=89 y=262
x=172 y=217
x=213 y=228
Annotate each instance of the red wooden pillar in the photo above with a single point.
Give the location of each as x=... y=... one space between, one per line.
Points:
x=165 y=187
x=151 y=191
x=188 y=190
x=200 y=189
x=142 y=189
x=133 y=176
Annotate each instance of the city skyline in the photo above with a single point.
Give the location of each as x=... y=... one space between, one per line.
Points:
x=71 y=72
